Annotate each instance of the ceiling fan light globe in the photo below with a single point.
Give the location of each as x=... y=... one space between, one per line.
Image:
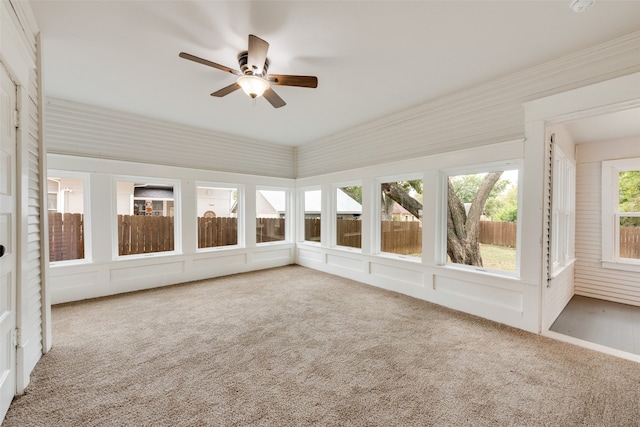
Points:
x=253 y=86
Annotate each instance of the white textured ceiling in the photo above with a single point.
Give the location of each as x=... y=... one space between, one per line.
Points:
x=372 y=58
x=611 y=126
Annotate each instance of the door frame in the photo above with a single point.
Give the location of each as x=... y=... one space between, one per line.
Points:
x=617 y=94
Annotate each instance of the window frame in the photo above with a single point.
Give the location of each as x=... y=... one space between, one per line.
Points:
x=86 y=221
x=177 y=215
x=611 y=216
x=334 y=215
x=302 y=215
x=411 y=176
x=287 y=214
x=471 y=169
x=240 y=215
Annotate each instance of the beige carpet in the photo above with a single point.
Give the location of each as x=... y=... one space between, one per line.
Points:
x=292 y=346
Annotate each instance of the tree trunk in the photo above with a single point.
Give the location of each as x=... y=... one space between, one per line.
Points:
x=463 y=230
x=387 y=208
x=393 y=191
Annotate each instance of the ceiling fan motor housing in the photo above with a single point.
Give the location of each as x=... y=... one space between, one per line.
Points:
x=248 y=70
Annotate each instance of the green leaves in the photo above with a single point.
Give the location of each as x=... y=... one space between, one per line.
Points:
x=629 y=191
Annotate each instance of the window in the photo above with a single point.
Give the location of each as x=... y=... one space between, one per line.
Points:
x=66 y=207
x=145 y=217
x=348 y=216
x=218 y=208
x=621 y=214
x=401 y=217
x=271 y=212
x=481 y=213
x=562 y=211
x=312 y=214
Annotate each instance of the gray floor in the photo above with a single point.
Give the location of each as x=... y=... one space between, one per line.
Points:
x=602 y=322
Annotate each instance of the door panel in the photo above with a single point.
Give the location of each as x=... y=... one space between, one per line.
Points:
x=7 y=240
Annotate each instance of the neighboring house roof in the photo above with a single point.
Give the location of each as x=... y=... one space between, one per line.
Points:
x=277 y=199
x=400 y=210
x=345 y=203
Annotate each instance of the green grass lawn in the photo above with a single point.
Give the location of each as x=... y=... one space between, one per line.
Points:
x=498 y=257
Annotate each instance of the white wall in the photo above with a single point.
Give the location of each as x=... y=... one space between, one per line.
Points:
x=87 y=131
x=591 y=279
x=103 y=273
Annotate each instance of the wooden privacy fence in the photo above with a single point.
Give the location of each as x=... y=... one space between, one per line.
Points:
x=66 y=236
x=401 y=237
x=218 y=231
x=269 y=230
x=398 y=237
x=140 y=234
x=498 y=233
x=349 y=233
x=630 y=242
x=312 y=229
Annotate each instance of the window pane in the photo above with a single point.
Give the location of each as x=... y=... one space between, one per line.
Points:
x=312 y=203
x=629 y=191
x=401 y=217
x=66 y=218
x=145 y=218
x=348 y=216
x=217 y=216
x=271 y=208
x=629 y=237
x=482 y=211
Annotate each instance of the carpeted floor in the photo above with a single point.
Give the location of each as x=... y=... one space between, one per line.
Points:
x=292 y=346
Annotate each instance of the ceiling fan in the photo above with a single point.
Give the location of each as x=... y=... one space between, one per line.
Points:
x=253 y=77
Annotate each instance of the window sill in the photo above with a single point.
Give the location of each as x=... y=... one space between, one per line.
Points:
x=557 y=271
x=146 y=255
x=69 y=263
x=482 y=270
x=389 y=255
x=347 y=249
x=279 y=242
x=624 y=266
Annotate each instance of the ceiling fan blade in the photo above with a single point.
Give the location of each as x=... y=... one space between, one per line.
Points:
x=209 y=63
x=273 y=98
x=300 y=81
x=257 y=55
x=226 y=90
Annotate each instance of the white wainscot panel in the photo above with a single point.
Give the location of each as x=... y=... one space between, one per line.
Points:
x=397 y=274
x=496 y=296
x=346 y=263
x=316 y=256
x=146 y=271
x=73 y=283
x=63 y=278
x=220 y=261
x=271 y=255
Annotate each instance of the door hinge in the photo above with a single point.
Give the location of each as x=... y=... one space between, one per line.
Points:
x=16 y=119
x=15 y=337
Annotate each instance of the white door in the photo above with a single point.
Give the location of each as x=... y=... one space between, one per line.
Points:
x=8 y=241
